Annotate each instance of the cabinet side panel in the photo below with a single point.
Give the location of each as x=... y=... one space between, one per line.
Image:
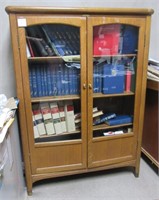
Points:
x=20 y=95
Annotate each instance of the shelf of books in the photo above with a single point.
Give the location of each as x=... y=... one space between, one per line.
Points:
x=114 y=77
x=53 y=52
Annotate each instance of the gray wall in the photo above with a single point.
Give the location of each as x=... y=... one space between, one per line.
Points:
x=7 y=80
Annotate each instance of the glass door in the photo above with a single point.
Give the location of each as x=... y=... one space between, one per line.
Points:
x=114 y=65
x=53 y=54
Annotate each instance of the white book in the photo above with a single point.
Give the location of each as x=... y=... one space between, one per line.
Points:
x=56 y=117
x=48 y=121
x=70 y=118
x=62 y=116
x=39 y=121
x=35 y=129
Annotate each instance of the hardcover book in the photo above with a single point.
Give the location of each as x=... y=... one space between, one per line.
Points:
x=35 y=129
x=70 y=118
x=39 y=120
x=56 y=117
x=47 y=117
x=113 y=79
x=120 y=119
x=62 y=116
x=106 y=39
x=101 y=119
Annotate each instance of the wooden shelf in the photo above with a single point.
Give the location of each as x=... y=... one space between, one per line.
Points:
x=105 y=126
x=100 y=95
x=54 y=98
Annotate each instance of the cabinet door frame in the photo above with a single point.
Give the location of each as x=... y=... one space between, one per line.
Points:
x=141 y=71
x=77 y=21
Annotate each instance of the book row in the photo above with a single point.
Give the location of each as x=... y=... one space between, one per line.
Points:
x=53 y=118
x=53 y=80
x=53 y=40
x=61 y=79
x=64 y=40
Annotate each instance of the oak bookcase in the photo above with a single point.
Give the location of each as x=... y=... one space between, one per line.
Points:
x=88 y=44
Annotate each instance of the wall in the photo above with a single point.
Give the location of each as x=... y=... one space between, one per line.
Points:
x=7 y=80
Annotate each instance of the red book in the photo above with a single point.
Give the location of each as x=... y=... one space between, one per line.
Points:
x=106 y=39
x=128 y=81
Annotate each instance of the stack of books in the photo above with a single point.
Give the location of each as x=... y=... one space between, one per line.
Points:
x=53 y=118
x=153 y=70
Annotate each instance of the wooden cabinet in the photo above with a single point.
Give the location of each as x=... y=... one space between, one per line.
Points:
x=93 y=61
x=150 y=130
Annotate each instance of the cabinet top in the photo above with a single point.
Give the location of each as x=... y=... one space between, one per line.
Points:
x=82 y=10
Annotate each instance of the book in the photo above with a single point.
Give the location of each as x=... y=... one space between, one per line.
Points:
x=37 y=45
x=78 y=115
x=120 y=119
x=113 y=79
x=62 y=116
x=101 y=119
x=35 y=129
x=128 y=81
x=56 y=117
x=47 y=117
x=97 y=113
x=130 y=39
x=106 y=39
x=69 y=112
x=39 y=120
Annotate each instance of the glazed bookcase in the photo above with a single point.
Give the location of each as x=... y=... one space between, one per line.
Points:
x=77 y=71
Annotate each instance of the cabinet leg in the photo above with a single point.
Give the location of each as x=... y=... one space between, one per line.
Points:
x=29 y=189
x=136 y=172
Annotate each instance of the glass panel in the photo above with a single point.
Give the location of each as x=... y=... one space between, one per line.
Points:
x=114 y=76
x=54 y=74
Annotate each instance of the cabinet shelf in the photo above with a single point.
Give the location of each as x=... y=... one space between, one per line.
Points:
x=54 y=98
x=117 y=55
x=55 y=59
x=112 y=137
x=100 y=95
x=105 y=126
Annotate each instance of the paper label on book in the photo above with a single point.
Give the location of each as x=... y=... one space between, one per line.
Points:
x=22 y=22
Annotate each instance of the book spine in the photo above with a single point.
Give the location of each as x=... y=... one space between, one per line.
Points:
x=103 y=118
x=56 y=117
x=47 y=117
x=70 y=118
x=38 y=81
x=128 y=81
x=62 y=116
x=35 y=129
x=39 y=121
x=34 y=82
x=120 y=120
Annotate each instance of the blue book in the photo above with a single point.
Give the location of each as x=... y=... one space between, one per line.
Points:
x=66 y=80
x=69 y=71
x=62 y=79
x=58 y=80
x=45 y=81
x=30 y=81
x=49 y=82
x=34 y=82
x=113 y=79
x=130 y=39
x=121 y=119
x=101 y=119
x=38 y=81
x=42 y=80
x=53 y=80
